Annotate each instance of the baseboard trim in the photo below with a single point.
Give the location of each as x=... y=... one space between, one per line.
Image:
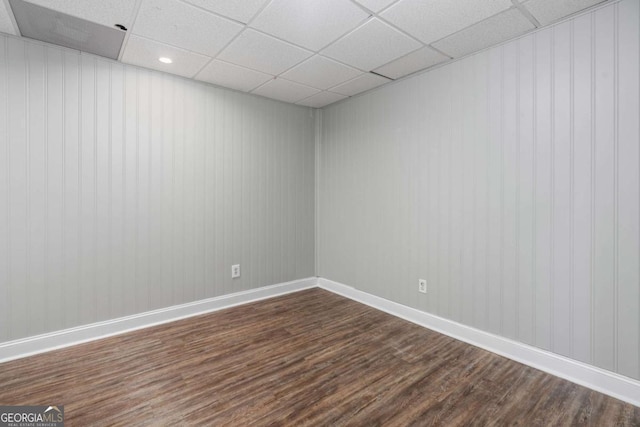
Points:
x=603 y=381
x=46 y=342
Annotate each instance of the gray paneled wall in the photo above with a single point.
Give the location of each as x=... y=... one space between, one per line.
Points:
x=510 y=181
x=124 y=190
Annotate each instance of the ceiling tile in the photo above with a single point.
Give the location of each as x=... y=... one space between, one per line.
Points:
x=310 y=23
x=263 y=53
x=145 y=53
x=185 y=26
x=434 y=19
x=375 y=5
x=321 y=72
x=233 y=76
x=415 y=61
x=371 y=45
x=547 y=11
x=241 y=11
x=489 y=32
x=285 y=90
x=105 y=12
x=360 y=84
x=6 y=25
x=321 y=99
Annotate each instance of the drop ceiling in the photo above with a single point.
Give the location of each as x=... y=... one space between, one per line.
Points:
x=307 y=52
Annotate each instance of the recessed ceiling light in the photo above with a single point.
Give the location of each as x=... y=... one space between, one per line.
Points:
x=165 y=60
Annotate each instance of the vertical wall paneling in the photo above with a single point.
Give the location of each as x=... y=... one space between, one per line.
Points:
x=604 y=192
x=581 y=182
x=525 y=191
x=542 y=214
x=510 y=181
x=5 y=246
x=17 y=143
x=561 y=187
x=124 y=190
x=628 y=173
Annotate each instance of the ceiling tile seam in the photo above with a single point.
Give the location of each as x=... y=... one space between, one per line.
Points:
x=375 y=16
x=358 y=25
x=279 y=76
x=363 y=7
x=264 y=6
x=260 y=10
x=442 y=52
x=125 y=42
x=340 y=62
x=321 y=92
x=288 y=102
x=306 y=48
x=171 y=45
x=12 y=18
x=266 y=35
x=395 y=27
x=526 y=13
x=242 y=66
x=295 y=65
x=382 y=75
x=410 y=53
x=211 y=12
x=286 y=80
x=478 y=23
x=560 y=21
x=357 y=77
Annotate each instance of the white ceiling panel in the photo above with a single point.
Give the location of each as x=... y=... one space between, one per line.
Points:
x=489 y=32
x=371 y=45
x=263 y=53
x=233 y=76
x=105 y=12
x=6 y=24
x=184 y=26
x=548 y=11
x=434 y=19
x=310 y=23
x=321 y=72
x=145 y=53
x=285 y=90
x=415 y=61
x=241 y=11
x=310 y=52
x=360 y=84
x=321 y=99
x=375 y=5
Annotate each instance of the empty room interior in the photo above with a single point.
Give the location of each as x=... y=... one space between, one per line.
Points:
x=319 y=212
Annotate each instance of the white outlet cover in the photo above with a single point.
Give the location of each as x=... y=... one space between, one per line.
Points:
x=235 y=271
x=422 y=286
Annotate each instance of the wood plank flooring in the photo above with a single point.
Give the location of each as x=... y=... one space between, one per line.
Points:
x=309 y=358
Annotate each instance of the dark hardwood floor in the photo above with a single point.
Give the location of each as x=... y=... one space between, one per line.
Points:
x=308 y=358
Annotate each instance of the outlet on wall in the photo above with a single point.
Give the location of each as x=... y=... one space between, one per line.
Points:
x=422 y=286
x=235 y=271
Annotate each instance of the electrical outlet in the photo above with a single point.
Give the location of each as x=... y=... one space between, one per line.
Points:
x=235 y=271
x=422 y=286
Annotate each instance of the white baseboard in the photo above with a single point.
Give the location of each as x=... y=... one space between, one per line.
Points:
x=606 y=382
x=41 y=343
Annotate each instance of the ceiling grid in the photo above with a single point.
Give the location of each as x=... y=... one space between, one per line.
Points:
x=311 y=53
